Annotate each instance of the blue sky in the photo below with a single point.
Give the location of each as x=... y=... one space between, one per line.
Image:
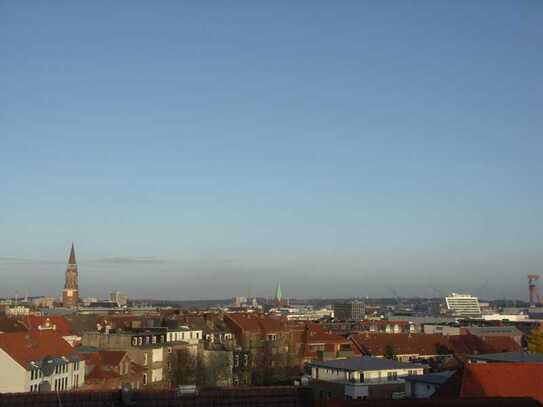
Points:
x=191 y=149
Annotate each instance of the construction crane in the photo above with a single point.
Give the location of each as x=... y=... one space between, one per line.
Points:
x=533 y=290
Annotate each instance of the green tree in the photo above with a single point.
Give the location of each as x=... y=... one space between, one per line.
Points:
x=184 y=367
x=535 y=340
x=214 y=369
x=389 y=352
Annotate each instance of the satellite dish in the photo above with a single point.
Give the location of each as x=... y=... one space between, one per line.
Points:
x=48 y=365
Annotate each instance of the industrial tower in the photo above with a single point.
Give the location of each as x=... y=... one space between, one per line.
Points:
x=534 y=291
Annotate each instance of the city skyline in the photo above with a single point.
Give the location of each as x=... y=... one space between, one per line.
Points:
x=343 y=150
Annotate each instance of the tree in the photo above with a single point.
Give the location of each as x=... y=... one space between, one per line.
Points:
x=214 y=368
x=389 y=352
x=184 y=367
x=535 y=340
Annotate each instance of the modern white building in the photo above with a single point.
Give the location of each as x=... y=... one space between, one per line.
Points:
x=463 y=305
x=184 y=334
x=38 y=362
x=363 y=377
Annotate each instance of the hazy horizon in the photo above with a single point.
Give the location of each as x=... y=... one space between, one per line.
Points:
x=344 y=149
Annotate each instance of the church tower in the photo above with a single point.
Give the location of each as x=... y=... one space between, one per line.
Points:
x=70 y=294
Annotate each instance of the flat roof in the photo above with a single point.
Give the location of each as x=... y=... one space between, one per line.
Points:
x=365 y=363
x=519 y=357
x=431 y=378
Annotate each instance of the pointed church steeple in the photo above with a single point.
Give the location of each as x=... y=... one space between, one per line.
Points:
x=71 y=260
x=70 y=294
x=278 y=298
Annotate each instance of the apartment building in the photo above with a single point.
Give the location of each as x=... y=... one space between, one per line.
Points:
x=38 y=362
x=360 y=378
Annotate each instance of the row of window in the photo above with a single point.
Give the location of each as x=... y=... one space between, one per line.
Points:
x=35 y=374
x=61 y=368
x=180 y=336
x=154 y=339
x=61 y=384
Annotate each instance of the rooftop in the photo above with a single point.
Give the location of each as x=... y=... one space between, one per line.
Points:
x=26 y=347
x=503 y=380
x=512 y=357
x=365 y=363
x=431 y=378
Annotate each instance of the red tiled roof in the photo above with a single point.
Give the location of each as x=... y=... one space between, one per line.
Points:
x=34 y=323
x=25 y=347
x=258 y=323
x=111 y=357
x=9 y=325
x=99 y=374
x=471 y=344
x=503 y=380
x=375 y=344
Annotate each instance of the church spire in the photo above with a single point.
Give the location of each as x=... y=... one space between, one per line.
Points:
x=278 y=299
x=72 y=256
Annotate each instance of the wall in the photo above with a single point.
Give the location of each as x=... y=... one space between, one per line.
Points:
x=12 y=375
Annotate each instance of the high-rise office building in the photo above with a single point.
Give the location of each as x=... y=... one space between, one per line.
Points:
x=463 y=305
x=350 y=311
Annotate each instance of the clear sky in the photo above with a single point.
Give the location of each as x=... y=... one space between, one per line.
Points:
x=194 y=149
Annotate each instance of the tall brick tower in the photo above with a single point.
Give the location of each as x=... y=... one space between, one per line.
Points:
x=70 y=294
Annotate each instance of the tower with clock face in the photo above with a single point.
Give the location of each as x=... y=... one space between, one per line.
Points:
x=70 y=294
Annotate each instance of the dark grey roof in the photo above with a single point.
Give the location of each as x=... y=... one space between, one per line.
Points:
x=431 y=378
x=364 y=363
x=482 y=330
x=519 y=357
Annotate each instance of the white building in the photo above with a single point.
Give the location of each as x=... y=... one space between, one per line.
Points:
x=463 y=305
x=184 y=334
x=363 y=377
x=119 y=298
x=38 y=362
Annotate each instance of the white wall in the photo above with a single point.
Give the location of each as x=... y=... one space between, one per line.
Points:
x=12 y=375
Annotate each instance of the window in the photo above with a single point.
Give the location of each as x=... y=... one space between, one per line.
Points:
x=145 y=359
x=144 y=378
x=157 y=375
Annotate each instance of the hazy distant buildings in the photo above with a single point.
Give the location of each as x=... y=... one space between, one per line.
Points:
x=70 y=294
x=463 y=305
x=350 y=311
x=119 y=298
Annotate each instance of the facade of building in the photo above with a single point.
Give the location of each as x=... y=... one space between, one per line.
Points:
x=350 y=311
x=109 y=370
x=70 y=293
x=360 y=378
x=38 y=362
x=463 y=305
x=145 y=348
